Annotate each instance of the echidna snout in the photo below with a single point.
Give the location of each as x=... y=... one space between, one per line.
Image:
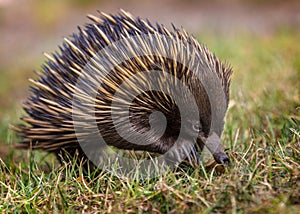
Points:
x=222 y=158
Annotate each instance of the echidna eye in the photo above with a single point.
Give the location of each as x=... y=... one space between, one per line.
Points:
x=196 y=127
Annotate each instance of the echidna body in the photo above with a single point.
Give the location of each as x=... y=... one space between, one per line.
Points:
x=50 y=106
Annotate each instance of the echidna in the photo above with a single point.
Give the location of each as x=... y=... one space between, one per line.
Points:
x=137 y=85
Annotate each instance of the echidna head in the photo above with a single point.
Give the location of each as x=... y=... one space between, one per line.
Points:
x=196 y=133
x=167 y=124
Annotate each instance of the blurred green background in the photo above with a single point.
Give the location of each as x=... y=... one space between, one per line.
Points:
x=260 y=39
x=232 y=29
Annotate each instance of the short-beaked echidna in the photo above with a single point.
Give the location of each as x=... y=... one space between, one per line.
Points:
x=114 y=55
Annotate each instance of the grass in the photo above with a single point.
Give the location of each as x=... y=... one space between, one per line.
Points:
x=261 y=136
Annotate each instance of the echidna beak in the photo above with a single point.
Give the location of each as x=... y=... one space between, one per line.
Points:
x=213 y=143
x=222 y=158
